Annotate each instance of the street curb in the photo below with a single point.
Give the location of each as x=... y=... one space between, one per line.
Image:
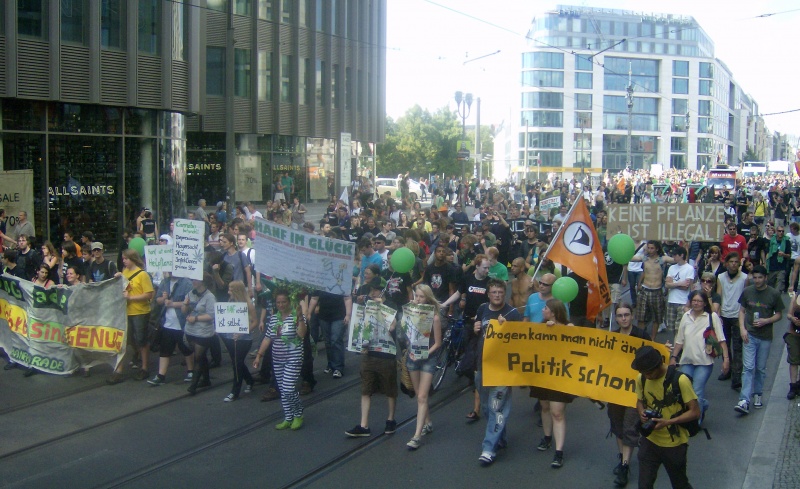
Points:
x=764 y=460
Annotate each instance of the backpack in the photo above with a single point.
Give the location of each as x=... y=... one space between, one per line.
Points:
x=673 y=377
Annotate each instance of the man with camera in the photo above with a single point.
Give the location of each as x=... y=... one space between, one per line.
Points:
x=661 y=412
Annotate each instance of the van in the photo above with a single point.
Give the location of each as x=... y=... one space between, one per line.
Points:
x=392 y=185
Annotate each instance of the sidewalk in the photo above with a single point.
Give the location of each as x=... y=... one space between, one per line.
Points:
x=777 y=452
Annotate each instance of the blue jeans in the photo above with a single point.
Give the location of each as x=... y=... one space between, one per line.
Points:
x=754 y=369
x=496 y=404
x=334 y=332
x=633 y=279
x=700 y=375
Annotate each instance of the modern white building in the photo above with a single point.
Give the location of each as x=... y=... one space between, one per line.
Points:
x=573 y=113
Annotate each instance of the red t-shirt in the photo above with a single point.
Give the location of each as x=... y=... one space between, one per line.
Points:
x=733 y=244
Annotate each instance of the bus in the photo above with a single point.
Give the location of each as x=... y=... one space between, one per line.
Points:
x=722 y=178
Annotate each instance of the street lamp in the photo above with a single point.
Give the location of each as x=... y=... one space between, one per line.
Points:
x=629 y=97
x=463 y=105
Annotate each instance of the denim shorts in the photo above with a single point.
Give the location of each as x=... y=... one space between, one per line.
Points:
x=427 y=366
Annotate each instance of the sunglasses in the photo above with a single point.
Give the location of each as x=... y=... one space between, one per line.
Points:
x=546 y=284
x=707 y=281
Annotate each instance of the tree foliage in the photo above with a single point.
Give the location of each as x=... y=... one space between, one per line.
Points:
x=422 y=142
x=749 y=155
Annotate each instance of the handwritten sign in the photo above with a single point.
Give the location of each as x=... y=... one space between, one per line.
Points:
x=417 y=324
x=667 y=222
x=580 y=361
x=550 y=203
x=310 y=260
x=188 y=249
x=158 y=258
x=231 y=317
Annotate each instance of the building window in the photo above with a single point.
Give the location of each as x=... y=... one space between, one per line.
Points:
x=706 y=87
x=304 y=86
x=179 y=10
x=583 y=62
x=241 y=72
x=644 y=74
x=543 y=100
x=583 y=101
x=549 y=140
x=32 y=18
x=581 y=141
x=677 y=144
x=304 y=15
x=705 y=125
x=644 y=113
x=113 y=24
x=680 y=68
x=75 y=21
x=680 y=106
x=242 y=7
x=679 y=123
x=149 y=26
x=215 y=71
x=540 y=78
x=334 y=20
x=335 y=84
x=583 y=120
x=286 y=11
x=680 y=86
x=704 y=107
x=286 y=78
x=319 y=18
x=264 y=75
x=321 y=93
x=218 y=5
x=348 y=89
x=542 y=118
x=644 y=150
x=706 y=70
x=542 y=59
x=677 y=161
x=266 y=10
x=583 y=158
x=583 y=80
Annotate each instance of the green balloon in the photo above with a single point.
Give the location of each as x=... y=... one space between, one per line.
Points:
x=137 y=244
x=621 y=249
x=403 y=260
x=565 y=289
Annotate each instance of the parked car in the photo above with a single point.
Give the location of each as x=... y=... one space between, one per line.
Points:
x=389 y=184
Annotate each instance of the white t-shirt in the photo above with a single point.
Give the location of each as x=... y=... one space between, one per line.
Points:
x=678 y=273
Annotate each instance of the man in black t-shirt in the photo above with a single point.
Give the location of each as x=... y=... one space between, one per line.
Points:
x=440 y=276
x=474 y=288
x=617 y=279
x=398 y=286
x=99 y=268
x=496 y=401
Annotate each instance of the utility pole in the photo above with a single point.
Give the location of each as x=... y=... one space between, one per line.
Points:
x=463 y=104
x=687 y=139
x=525 y=157
x=583 y=162
x=629 y=96
x=478 y=148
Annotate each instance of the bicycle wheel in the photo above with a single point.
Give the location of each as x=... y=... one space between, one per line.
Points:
x=442 y=362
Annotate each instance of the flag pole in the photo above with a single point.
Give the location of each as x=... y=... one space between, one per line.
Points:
x=557 y=235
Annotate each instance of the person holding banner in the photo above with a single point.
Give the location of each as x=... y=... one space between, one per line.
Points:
x=285 y=332
x=238 y=345
x=199 y=310
x=554 y=403
x=422 y=369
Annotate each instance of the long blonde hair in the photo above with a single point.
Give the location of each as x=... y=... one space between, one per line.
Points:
x=428 y=293
x=239 y=294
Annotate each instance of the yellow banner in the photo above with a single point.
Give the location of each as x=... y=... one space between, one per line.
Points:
x=585 y=362
x=16 y=317
x=97 y=338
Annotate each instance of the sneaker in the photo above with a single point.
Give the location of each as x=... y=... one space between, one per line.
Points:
x=297 y=423
x=156 y=381
x=427 y=429
x=114 y=378
x=337 y=374
x=792 y=392
x=188 y=377
x=486 y=459
x=742 y=407
x=229 y=398
x=248 y=388
x=391 y=427
x=544 y=444
x=558 y=460
x=619 y=465
x=757 y=401
x=284 y=425
x=133 y=366
x=622 y=477
x=359 y=432
x=413 y=444
x=328 y=371
x=141 y=375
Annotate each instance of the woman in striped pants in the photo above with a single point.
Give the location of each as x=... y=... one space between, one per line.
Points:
x=285 y=331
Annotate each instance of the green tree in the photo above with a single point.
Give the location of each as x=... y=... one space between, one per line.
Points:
x=748 y=155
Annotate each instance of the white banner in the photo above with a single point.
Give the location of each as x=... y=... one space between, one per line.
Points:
x=16 y=194
x=231 y=317
x=550 y=203
x=248 y=178
x=345 y=163
x=189 y=249
x=310 y=260
x=417 y=325
x=158 y=258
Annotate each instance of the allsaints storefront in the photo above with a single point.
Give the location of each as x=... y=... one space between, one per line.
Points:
x=94 y=167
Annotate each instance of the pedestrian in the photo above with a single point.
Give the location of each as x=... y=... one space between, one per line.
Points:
x=171 y=294
x=238 y=344
x=198 y=306
x=730 y=285
x=792 y=340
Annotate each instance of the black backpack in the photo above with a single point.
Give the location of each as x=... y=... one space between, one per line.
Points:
x=673 y=377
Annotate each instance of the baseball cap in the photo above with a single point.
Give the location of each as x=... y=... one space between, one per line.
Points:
x=97 y=246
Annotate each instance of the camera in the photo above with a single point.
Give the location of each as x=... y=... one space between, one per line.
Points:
x=647 y=427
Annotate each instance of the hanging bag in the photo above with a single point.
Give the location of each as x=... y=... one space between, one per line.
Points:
x=713 y=348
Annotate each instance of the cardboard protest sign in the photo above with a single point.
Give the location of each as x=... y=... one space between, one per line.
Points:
x=581 y=361
x=369 y=328
x=158 y=258
x=231 y=317
x=355 y=329
x=417 y=324
x=189 y=249
x=59 y=330
x=550 y=203
x=667 y=222
x=309 y=260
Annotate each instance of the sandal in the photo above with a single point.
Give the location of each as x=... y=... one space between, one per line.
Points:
x=473 y=416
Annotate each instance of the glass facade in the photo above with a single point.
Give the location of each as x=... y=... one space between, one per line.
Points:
x=95 y=167
x=644 y=150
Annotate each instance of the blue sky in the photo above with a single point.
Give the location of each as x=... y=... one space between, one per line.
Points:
x=429 y=40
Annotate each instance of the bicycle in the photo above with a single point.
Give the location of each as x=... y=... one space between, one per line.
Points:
x=451 y=352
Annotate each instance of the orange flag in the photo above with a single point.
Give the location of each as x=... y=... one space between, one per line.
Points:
x=578 y=247
x=621 y=184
